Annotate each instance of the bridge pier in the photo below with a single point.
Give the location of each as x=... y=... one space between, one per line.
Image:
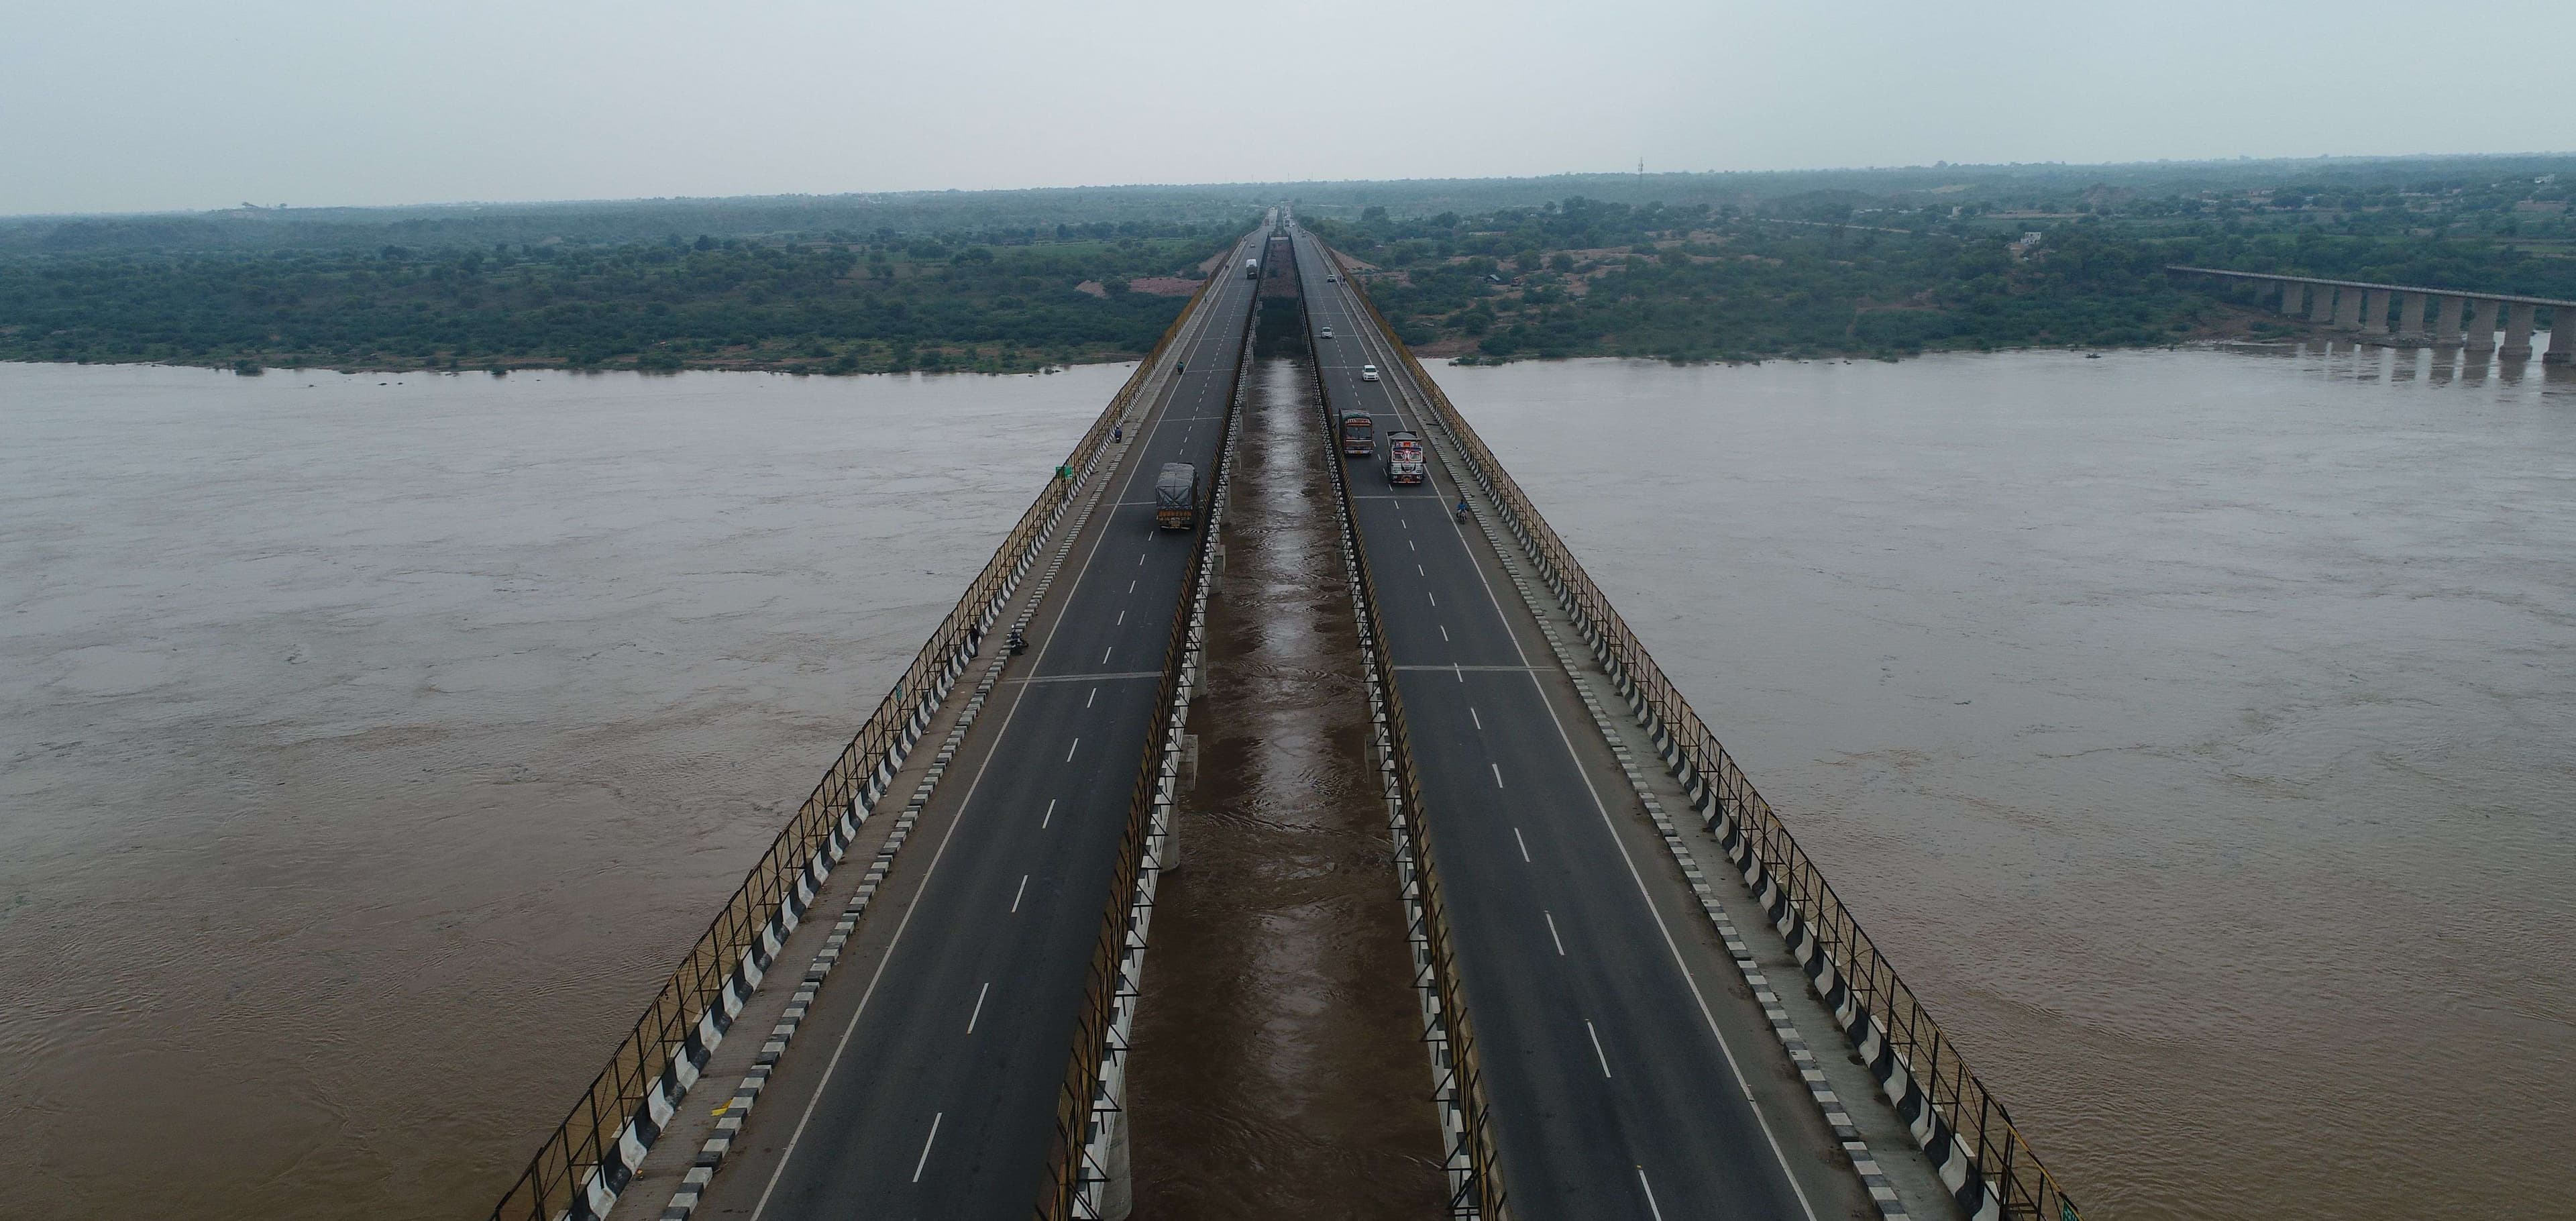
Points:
x=2293 y=295
x=2562 y=337
x=2374 y=313
x=2410 y=319
x=2321 y=304
x=2348 y=309
x=2446 y=327
x=2517 y=332
x=2482 y=324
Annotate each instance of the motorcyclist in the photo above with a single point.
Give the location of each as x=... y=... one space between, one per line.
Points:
x=1461 y=511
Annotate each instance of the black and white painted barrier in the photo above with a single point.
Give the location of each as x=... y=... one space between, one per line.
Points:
x=1909 y=1083
x=1895 y=1074
x=1105 y=1187
x=581 y=1166
x=1474 y=1181
x=619 y=1162
x=746 y=1095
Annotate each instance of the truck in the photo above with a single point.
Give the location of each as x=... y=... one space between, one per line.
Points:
x=1176 y=497
x=1404 y=462
x=1252 y=269
x=1359 y=434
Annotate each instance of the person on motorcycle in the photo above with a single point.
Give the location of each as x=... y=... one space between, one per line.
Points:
x=1461 y=511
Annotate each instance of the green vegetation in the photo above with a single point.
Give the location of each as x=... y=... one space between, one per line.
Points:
x=1672 y=266
x=1005 y=303
x=1943 y=265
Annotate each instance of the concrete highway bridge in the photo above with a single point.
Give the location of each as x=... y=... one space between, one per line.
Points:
x=2420 y=316
x=1638 y=997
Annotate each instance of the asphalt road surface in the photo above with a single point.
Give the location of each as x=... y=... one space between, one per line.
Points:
x=939 y=1096
x=1612 y=1092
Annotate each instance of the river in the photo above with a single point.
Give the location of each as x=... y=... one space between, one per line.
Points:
x=2190 y=726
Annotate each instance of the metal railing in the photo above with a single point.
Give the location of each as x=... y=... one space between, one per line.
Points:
x=1082 y=1092
x=614 y=1112
x=1984 y=1129
x=1480 y=1191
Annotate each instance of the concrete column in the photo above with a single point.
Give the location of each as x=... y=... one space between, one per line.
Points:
x=2293 y=295
x=2562 y=337
x=2374 y=312
x=2321 y=304
x=2481 y=324
x=2410 y=319
x=2517 y=331
x=2446 y=324
x=2348 y=309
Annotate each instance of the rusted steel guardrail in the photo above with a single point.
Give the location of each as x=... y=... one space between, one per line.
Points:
x=1965 y=1130
x=1093 y=1089
x=1476 y=1188
x=581 y=1166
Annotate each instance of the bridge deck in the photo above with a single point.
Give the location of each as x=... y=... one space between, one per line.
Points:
x=924 y=1083
x=1630 y=1069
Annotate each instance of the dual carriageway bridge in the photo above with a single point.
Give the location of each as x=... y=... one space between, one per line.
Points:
x=1638 y=997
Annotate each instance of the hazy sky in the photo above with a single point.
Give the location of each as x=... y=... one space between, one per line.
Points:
x=129 y=105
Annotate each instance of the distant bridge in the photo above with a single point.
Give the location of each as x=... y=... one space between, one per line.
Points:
x=2460 y=317
x=1638 y=996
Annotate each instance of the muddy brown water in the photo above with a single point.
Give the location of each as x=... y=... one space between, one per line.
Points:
x=2192 y=727
x=1277 y=1070
x=376 y=744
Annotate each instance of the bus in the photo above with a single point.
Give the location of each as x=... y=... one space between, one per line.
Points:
x=1359 y=434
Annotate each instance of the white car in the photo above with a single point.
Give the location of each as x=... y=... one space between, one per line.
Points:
x=1332 y=279
x=1368 y=373
x=1326 y=333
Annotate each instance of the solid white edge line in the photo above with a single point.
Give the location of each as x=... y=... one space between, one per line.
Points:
x=1512 y=630
x=877 y=976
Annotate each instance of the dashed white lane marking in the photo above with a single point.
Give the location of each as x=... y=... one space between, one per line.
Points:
x=1104 y=654
x=1444 y=631
x=1498 y=774
x=1140 y=559
x=1651 y=1206
x=980 y=993
x=1516 y=838
x=1068 y=751
x=1597 y=1053
x=1122 y=620
x=925 y=1145
x=1435 y=598
x=1016 y=895
x=1131 y=587
x=1417 y=571
x=1551 y=926
x=1095 y=694
x=1050 y=814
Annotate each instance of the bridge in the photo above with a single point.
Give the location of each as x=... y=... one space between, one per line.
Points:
x=1638 y=997
x=2421 y=315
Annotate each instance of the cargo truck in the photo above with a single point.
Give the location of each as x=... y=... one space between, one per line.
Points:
x=1252 y=269
x=1176 y=497
x=1404 y=462
x=1359 y=434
